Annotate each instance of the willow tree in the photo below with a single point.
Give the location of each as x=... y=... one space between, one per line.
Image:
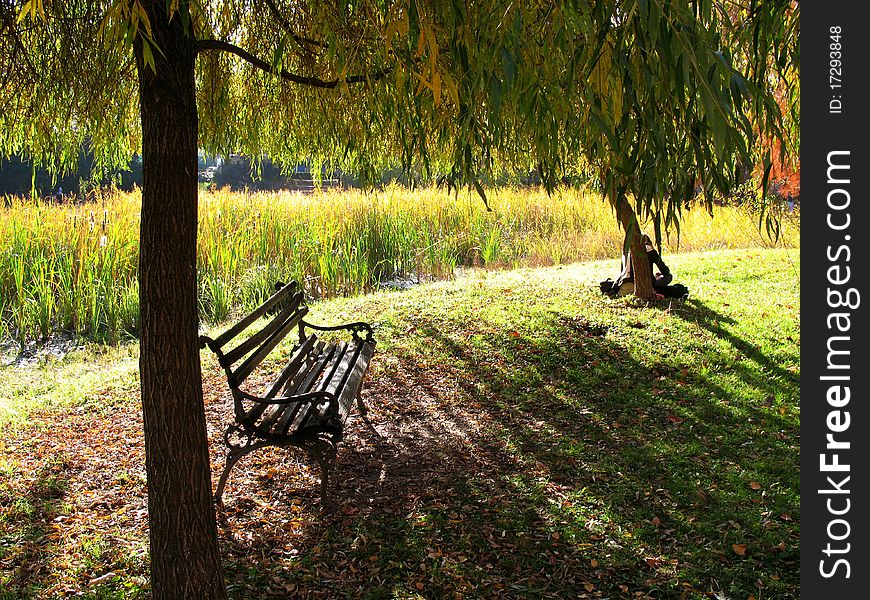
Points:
x=649 y=94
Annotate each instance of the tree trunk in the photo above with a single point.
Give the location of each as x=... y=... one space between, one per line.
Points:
x=185 y=561
x=643 y=287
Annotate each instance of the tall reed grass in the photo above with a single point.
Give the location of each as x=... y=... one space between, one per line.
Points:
x=74 y=268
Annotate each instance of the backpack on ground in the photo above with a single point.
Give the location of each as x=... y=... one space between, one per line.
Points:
x=623 y=286
x=676 y=290
x=609 y=287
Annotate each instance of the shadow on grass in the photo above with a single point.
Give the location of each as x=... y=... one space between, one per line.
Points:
x=695 y=311
x=552 y=464
x=27 y=513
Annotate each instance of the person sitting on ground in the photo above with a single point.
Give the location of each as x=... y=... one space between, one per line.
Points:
x=660 y=279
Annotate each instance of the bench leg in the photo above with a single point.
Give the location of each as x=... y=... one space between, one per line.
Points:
x=362 y=407
x=233 y=457
x=325 y=459
x=219 y=492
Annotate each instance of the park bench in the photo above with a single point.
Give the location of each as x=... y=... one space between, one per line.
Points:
x=306 y=404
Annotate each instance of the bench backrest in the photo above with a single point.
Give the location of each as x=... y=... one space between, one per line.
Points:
x=239 y=355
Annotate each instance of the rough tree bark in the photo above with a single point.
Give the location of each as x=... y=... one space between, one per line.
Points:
x=185 y=561
x=643 y=287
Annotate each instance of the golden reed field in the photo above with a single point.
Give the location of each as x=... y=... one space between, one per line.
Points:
x=73 y=268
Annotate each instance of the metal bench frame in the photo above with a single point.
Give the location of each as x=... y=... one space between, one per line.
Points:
x=309 y=401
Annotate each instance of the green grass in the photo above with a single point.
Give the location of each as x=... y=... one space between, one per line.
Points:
x=539 y=441
x=94 y=378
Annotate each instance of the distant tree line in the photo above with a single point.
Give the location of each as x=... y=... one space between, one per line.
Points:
x=19 y=177
x=240 y=173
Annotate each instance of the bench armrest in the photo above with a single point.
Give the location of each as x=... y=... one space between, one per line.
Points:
x=288 y=399
x=355 y=329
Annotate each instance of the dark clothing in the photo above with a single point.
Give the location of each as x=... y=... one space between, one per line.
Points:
x=666 y=277
x=654 y=260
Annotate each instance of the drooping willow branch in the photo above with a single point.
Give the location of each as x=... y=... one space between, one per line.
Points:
x=261 y=64
x=303 y=41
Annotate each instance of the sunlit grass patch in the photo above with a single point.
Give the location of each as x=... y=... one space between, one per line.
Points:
x=92 y=378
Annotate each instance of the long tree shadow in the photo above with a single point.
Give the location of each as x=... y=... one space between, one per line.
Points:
x=696 y=312
x=541 y=464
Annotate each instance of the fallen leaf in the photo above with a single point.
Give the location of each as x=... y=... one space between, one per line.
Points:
x=675 y=419
x=755 y=485
x=103 y=578
x=739 y=549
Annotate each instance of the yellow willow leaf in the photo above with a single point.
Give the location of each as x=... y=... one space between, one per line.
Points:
x=139 y=10
x=390 y=33
x=433 y=47
x=421 y=43
x=398 y=25
x=400 y=79
x=147 y=55
x=423 y=83
x=25 y=11
x=602 y=70
x=404 y=26
x=452 y=89
x=436 y=87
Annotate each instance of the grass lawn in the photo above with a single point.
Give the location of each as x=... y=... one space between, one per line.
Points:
x=527 y=438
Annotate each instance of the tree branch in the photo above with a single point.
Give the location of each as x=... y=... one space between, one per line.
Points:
x=303 y=41
x=283 y=73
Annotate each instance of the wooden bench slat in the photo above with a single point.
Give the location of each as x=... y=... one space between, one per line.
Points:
x=313 y=375
x=251 y=363
x=305 y=384
x=282 y=426
x=327 y=368
x=302 y=419
x=343 y=368
x=270 y=422
x=286 y=419
x=258 y=312
x=339 y=379
x=329 y=383
x=299 y=363
x=311 y=360
x=270 y=415
x=336 y=368
x=353 y=382
x=287 y=313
